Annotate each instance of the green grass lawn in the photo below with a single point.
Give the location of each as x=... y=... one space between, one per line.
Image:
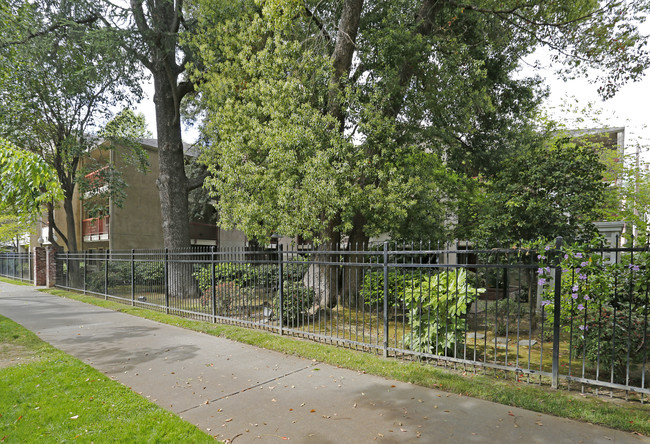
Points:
x=49 y=396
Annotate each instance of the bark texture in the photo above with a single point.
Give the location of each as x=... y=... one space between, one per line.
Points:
x=159 y=25
x=324 y=276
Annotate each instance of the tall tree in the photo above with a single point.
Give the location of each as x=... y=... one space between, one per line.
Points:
x=152 y=31
x=326 y=116
x=60 y=76
x=149 y=32
x=544 y=190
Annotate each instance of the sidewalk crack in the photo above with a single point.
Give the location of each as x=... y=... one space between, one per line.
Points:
x=249 y=388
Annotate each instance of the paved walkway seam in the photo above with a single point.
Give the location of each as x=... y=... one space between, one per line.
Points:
x=248 y=388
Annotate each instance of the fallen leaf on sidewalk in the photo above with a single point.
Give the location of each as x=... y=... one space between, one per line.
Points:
x=228 y=420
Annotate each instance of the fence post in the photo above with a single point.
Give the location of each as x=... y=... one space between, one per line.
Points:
x=85 y=268
x=166 y=268
x=105 y=275
x=385 y=299
x=67 y=269
x=556 y=314
x=213 y=291
x=280 y=285
x=132 y=277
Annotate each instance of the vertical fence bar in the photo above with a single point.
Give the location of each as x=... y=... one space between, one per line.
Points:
x=556 y=316
x=85 y=269
x=213 y=292
x=105 y=275
x=132 y=277
x=280 y=284
x=385 y=299
x=166 y=269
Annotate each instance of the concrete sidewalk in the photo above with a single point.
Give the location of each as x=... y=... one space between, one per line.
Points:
x=245 y=394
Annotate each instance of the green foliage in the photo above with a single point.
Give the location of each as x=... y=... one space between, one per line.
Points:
x=543 y=190
x=11 y=227
x=437 y=307
x=607 y=337
x=61 y=75
x=26 y=181
x=372 y=288
x=146 y=274
x=126 y=130
x=296 y=300
x=360 y=148
x=629 y=199
x=592 y=291
x=246 y=275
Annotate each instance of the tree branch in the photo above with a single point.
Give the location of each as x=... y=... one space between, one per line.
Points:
x=197 y=181
x=318 y=22
x=178 y=17
x=515 y=12
x=86 y=21
x=185 y=88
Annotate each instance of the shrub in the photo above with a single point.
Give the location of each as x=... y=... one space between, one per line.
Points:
x=224 y=294
x=296 y=300
x=372 y=288
x=247 y=275
x=436 y=310
x=607 y=340
x=119 y=274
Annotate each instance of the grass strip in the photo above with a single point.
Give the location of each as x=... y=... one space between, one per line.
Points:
x=626 y=416
x=15 y=282
x=52 y=397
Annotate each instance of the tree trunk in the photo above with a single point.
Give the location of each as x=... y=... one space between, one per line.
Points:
x=75 y=280
x=172 y=187
x=353 y=274
x=71 y=228
x=323 y=276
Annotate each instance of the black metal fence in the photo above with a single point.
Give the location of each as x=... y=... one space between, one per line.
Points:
x=17 y=266
x=558 y=315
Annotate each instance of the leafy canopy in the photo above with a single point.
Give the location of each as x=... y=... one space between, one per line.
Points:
x=26 y=181
x=432 y=99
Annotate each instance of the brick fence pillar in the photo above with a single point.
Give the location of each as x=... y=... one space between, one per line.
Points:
x=50 y=279
x=40 y=266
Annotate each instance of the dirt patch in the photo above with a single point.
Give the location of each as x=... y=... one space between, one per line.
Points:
x=12 y=354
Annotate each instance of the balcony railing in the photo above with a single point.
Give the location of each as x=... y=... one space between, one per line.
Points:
x=96 y=229
x=95 y=175
x=97 y=183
